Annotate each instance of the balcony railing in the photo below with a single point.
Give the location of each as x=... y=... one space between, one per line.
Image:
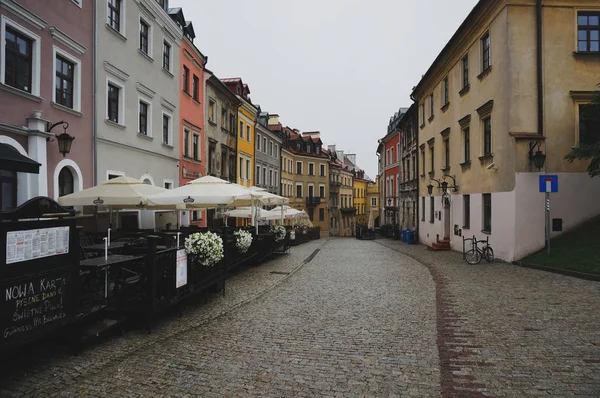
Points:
x=313 y=200
x=348 y=210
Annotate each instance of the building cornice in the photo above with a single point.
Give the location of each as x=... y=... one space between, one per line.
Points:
x=23 y=13
x=148 y=92
x=167 y=104
x=116 y=72
x=67 y=40
x=484 y=10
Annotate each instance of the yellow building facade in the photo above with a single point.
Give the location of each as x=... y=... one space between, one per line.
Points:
x=347 y=209
x=360 y=200
x=488 y=106
x=373 y=200
x=247 y=115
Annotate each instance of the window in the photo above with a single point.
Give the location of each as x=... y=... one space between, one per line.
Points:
x=392 y=160
x=65 y=182
x=258 y=142
x=311 y=169
x=211 y=157
x=447 y=153
x=466 y=145
x=168 y=184
x=258 y=176
x=321 y=214
x=18 y=60
x=298 y=167
x=465 y=71
x=241 y=129
x=373 y=202
x=223 y=116
x=196 y=146
x=430 y=105
x=487 y=212
x=321 y=191
x=589 y=125
x=186 y=143
x=431 y=209
x=322 y=170
x=113 y=103
x=466 y=211
x=195 y=95
x=423 y=160
x=276 y=151
x=114 y=14
x=143 y=122
x=588 y=31
x=241 y=168
x=445 y=91
x=265 y=144
x=144 y=39
x=64 y=82
x=264 y=176
x=195 y=216
x=311 y=191
x=186 y=74
x=275 y=180
x=487 y=136
x=166 y=56
x=485 y=52
x=270 y=148
x=166 y=129
x=432 y=159
x=232 y=123
x=211 y=110
x=299 y=190
x=422 y=114
x=248 y=170
x=248 y=134
x=8 y=190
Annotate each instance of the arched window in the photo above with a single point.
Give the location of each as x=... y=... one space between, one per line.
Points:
x=65 y=182
x=8 y=189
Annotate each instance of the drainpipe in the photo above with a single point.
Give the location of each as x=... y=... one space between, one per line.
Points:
x=95 y=100
x=418 y=160
x=540 y=90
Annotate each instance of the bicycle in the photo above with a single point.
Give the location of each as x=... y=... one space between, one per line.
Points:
x=475 y=255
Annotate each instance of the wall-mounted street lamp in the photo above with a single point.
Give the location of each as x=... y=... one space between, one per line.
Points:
x=443 y=184
x=64 y=139
x=538 y=158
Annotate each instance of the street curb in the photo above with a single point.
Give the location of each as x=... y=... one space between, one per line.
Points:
x=574 y=274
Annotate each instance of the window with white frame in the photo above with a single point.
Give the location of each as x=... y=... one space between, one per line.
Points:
x=322 y=170
x=145 y=43
x=270 y=178
x=270 y=148
x=258 y=175
x=144 y=118
x=168 y=184
x=276 y=151
x=167 y=129
x=116 y=15
x=211 y=110
x=422 y=114
x=166 y=56
x=588 y=31
x=430 y=105
x=373 y=201
x=20 y=57
x=115 y=94
x=196 y=146
x=258 y=142
x=67 y=80
x=264 y=144
x=321 y=191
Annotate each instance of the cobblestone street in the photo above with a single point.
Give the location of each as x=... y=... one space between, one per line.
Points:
x=361 y=318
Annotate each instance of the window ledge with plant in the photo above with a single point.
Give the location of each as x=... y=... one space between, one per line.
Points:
x=484 y=73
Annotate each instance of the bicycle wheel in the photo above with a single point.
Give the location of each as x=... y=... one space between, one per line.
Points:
x=488 y=253
x=473 y=256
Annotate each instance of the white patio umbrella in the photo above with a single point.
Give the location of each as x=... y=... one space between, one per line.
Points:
x=281 y=212
x=207 y=193
x=120 y=192
x=268 y=198
x=244 y=212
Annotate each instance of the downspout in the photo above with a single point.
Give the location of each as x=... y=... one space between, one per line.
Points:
x=95 y=100
x=540 y=90
x=416 y=134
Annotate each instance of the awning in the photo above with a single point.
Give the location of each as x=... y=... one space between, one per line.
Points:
x=12 y=160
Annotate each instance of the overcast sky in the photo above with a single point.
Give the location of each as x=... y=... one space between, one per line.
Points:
x=342 y=67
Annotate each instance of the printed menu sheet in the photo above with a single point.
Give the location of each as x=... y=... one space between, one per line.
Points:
x=36 y=243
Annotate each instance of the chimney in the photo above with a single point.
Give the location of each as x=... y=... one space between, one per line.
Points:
x=274 y=119
x=331 y=148
x=352 y=158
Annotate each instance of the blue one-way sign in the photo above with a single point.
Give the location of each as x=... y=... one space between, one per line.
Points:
x=549 y=183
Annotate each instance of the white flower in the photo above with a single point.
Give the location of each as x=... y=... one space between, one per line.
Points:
x=278 y=231
x=243 y=240
x=208 y=246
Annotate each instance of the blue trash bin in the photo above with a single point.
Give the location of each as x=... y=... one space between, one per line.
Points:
x=412 y=237
x=404 y=235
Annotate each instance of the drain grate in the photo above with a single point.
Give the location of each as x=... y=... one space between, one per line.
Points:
x=279 y=272
x=309 y=258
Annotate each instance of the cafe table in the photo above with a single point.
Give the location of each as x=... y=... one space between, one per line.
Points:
x=99 y=263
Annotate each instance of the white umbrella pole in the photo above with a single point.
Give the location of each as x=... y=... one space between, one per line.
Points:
x=110 y=216
x=254 y=218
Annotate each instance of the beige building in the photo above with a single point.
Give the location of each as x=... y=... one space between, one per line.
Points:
x=373 y=200
x=509 y=83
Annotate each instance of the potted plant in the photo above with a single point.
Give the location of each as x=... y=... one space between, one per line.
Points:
x=278 y=231
x=206 y=246
x=243 y=240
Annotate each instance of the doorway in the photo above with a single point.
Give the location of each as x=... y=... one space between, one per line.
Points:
x=446 y=205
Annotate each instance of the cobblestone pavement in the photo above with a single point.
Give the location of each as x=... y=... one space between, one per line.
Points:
x=508 y=331
x=363 y=318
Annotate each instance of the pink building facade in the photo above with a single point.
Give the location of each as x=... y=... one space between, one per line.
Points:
x=46 y=77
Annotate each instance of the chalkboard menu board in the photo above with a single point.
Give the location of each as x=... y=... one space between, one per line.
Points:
x=33 y=305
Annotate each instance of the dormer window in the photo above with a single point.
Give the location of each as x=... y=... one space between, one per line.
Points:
x=308 y=148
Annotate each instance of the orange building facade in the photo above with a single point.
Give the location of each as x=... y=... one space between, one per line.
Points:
x=191 y=112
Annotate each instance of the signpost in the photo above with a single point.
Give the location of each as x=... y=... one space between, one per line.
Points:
x=548 y=183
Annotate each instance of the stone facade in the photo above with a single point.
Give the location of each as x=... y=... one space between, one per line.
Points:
x=267 y=156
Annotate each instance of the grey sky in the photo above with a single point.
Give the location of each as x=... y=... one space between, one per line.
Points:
x=342 y=67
